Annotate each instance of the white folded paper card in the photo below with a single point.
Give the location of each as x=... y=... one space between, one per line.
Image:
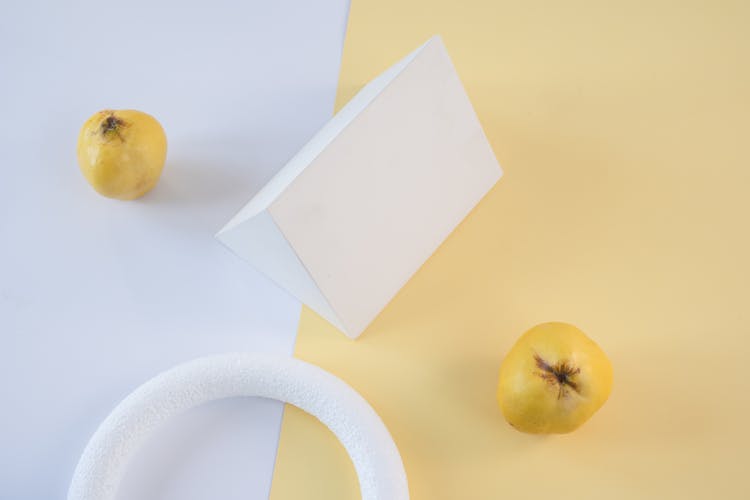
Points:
x=354 y=214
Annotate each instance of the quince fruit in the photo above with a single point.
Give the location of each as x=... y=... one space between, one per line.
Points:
x=122 y=153
x=553 y=380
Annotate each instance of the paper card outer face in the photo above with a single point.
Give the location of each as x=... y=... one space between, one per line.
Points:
x=375 y=193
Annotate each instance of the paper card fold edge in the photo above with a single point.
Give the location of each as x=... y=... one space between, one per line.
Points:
x=259 y=241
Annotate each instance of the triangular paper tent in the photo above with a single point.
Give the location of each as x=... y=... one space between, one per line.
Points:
x=355 y=213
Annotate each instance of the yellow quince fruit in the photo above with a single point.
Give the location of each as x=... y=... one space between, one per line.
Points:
x=122 y=153
x=553 y=380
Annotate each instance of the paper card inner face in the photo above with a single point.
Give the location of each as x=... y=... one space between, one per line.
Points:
x=259 y=241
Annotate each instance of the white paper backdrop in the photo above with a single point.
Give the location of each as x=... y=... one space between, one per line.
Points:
x=97 y=295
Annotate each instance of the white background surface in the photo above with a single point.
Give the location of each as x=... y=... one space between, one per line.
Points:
x=97 y=295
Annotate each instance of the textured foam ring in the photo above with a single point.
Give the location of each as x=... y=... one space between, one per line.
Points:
x=370 y=446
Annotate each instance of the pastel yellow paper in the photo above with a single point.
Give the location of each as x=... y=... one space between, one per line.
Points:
x=624 y=132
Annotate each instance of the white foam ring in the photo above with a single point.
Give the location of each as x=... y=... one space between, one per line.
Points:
x=360 y=430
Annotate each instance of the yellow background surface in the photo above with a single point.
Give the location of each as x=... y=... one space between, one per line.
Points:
x=624 y=132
